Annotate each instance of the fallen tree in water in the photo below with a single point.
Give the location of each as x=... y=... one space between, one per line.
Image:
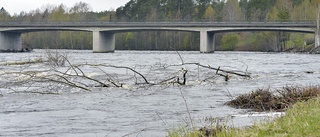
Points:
x=56 y=73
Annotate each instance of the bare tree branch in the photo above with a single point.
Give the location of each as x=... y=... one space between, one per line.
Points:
x=74 y=77
x=217 y=69
x=136 y=72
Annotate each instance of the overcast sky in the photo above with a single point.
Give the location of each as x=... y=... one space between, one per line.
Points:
x=16 y=6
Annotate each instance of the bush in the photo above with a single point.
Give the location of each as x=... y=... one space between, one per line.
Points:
x=55 y=58
x=229 y=41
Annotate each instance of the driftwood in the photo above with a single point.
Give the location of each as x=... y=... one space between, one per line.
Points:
x=75 y=77
x=226 y=71
x=123 y=67
x=35 y=61
x=209 y=67
x=176 y=79
x=226 y=76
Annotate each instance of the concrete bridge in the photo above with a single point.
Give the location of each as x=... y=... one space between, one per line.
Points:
x=104 y=32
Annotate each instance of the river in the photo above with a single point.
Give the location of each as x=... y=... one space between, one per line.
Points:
x=147 y=111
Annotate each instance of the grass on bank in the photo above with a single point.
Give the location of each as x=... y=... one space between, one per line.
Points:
x=301 y=119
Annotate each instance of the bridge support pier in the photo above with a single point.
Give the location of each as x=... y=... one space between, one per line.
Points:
x=207 y=40
x=103 y=42
x=316 y=39
x=10 y=41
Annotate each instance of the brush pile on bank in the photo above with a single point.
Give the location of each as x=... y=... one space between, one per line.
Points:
x=280 y=100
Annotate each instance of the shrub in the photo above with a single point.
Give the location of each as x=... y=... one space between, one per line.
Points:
x=266 y=100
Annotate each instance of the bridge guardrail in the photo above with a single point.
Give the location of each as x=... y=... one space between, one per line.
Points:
x=95 y=23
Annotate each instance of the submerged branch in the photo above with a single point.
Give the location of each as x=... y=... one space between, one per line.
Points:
x=123 y=67
x=66 y=81
x=218 y=69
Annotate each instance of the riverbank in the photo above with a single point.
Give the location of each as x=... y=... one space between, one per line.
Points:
x=302 y=118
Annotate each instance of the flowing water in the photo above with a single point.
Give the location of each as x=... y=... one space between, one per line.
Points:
x=150 y=111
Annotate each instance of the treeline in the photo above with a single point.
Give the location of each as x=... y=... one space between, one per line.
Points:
x=223 y=11
x=59 y=39
x=176 y=10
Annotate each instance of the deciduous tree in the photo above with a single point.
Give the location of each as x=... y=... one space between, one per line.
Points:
x=231 y=11
x=209 y=14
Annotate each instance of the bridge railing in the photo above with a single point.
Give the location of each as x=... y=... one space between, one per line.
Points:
x=7 y=23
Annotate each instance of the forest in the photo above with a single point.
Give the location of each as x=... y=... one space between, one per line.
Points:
x=174 y=10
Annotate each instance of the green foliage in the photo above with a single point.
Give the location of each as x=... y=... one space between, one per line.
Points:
x=289 y=44
x=209 y=14
x=201 y=8
x=129 y=37
x=297 y=2
x=229 y=41
x=273 y=14
x=283 y=14
x=218 y=7
x=296 y=41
